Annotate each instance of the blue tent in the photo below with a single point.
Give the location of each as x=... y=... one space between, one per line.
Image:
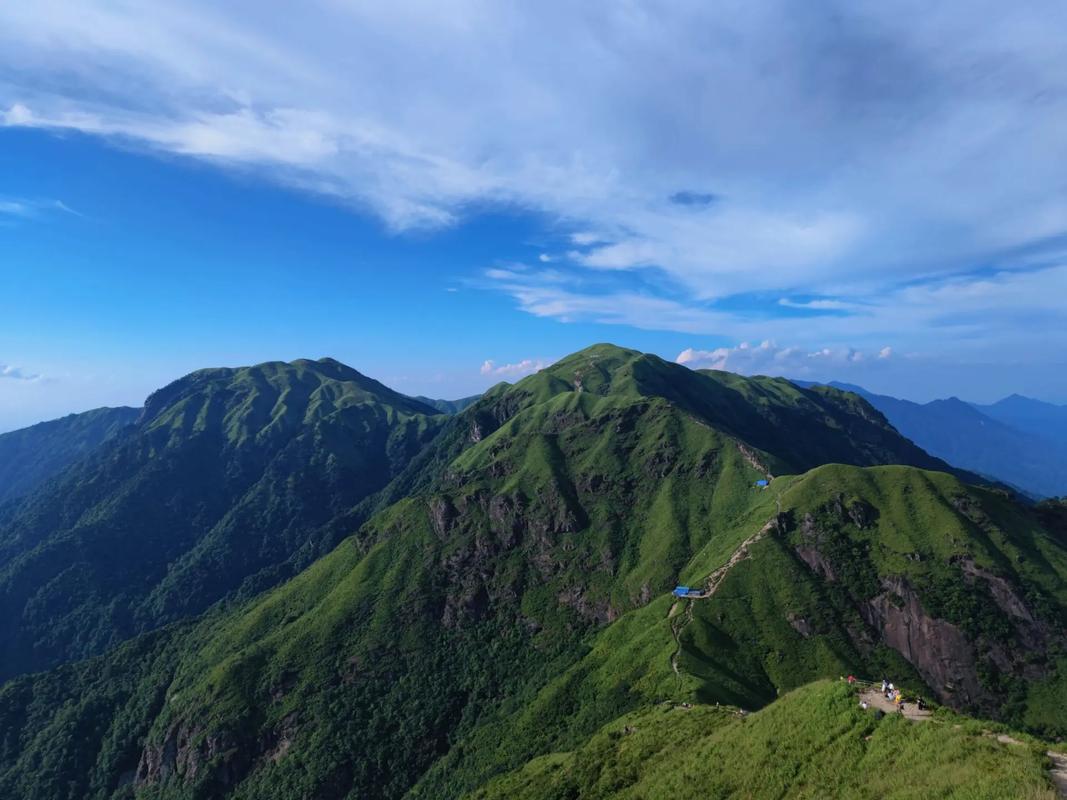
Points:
x=762 y=483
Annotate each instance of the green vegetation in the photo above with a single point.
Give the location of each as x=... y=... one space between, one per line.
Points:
x=31 y=456
x=505 y=596
x=229 y=483
x=814 y=742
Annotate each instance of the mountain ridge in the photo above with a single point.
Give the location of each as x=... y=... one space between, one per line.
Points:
x=229 y=472
x=509 y=595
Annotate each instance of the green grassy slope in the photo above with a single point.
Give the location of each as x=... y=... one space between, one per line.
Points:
x=229 y=477
x=815 y=742
x=891 y=569
x=31 y=456
x=514 y=601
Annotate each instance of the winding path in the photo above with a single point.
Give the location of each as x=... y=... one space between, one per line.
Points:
x=711 y=584
x=1059 y=772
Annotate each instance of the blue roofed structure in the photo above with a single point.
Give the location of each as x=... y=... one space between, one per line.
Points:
x=761 y=483
x=685 y=591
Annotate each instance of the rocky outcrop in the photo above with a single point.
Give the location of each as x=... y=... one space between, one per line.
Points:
x=816 y=561
x=975 y=629
x=939 y=650
x=1003 y=593
x=192 y=754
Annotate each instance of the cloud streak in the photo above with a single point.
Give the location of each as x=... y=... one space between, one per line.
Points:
x=30 y=208
x=519 y=369
x=768 y=358
x=8 y=372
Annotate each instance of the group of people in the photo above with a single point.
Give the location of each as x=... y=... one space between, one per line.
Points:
x=891 y=693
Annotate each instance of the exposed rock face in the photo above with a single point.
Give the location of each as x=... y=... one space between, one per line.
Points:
x=950 y=661
x=599 y=611
x=192 y=754
x=816 y=562
x=800 y=625
x=938 y=649
x=962 y=659
x=1005 y=596
x=514 y=521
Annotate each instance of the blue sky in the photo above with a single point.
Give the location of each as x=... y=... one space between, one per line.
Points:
x=448 y=197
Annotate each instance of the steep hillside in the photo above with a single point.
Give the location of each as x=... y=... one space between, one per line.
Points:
x=227 y=479
x=815 y=742
x=31 y=456
x=515 y=599
x=822 y=424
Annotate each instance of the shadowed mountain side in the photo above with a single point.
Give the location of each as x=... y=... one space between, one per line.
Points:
x=31 y=456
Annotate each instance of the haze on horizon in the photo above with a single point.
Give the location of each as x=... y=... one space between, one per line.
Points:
x=448 y=197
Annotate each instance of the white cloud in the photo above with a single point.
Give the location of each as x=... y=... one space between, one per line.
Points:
x=881 y=140
x=861 y=155
x=32 y=208
x=17 y=373
x=817 y=305
x=527 y=366
x=991 y=315
x=586 y=238
x=768 y=358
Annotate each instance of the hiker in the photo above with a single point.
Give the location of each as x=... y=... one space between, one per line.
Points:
x=885 y=685
x=851 y=679
x=920 y=704
x=863 y=704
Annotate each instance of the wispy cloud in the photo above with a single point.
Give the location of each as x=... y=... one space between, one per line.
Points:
x=768 y=357
x=853 y=160
x=527 y=366
x=992 y=313
x=32 y=208
x=17 y=374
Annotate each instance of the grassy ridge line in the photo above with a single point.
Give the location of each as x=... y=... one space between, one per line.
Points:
x=469 y=628
x=814 y=742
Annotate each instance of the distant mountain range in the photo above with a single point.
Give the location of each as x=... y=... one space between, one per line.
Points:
x=288 y=581
x=1019 y=441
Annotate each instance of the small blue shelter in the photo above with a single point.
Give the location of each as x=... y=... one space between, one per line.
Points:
x=681 y=591
x=762 y=483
